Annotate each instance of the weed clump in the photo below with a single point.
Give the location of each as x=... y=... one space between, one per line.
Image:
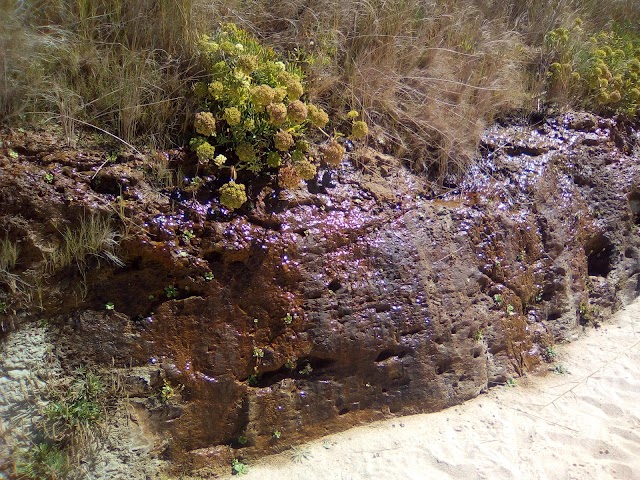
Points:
x=251 y=110
x=94 y=237
x=69 y=426
x=43 y=461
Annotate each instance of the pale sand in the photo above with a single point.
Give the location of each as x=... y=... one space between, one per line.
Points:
x=581 y=425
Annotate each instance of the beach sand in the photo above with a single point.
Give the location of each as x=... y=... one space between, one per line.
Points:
x=580 y=424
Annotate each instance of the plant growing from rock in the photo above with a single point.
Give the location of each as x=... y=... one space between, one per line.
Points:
x=560 y=369
x=43 y=461
x=94 y=237
x=478 y=335
x=187 y=235
x=171 y=291
x=79 y=408
x=258 y=353
x=549 y=353
x=253 y=119
x=68 y=424
x=306 y=370
x=168 y=392
x=497 y=299
x=238 y=467
x=291 y=363
x=299 y=454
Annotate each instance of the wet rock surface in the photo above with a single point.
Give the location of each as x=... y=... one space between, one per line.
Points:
x=359 y=297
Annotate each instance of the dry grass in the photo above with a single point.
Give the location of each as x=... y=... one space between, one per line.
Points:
x=94 y=238
x=122 y=66
x=8 y=254
x=429 y=75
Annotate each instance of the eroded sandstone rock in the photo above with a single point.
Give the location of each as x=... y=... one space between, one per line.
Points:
x=361 y=298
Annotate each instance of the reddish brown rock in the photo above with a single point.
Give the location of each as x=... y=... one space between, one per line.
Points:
x=315 y=310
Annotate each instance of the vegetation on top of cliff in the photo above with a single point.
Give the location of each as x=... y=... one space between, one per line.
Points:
x=599 y=71
x=428 y=75
x=252 y=117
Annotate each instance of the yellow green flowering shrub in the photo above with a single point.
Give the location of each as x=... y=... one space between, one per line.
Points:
x=600 y=71
x=233 y=195
x=253 y=117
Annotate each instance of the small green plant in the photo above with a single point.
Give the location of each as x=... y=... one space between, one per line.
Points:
x=77 y=409
x=187 y=235
x=168 y=393
x=589 y=314
x=208 y=276
x=112 y=156
x=584 y=308
x=497 y=299
x=560 y=369
x=13 y=154
x=243 y=440
x=549 y=353
x=511 y=310
x=288 y=319
x=171 y=291
x=258 y=353
x=478 y=335
x=277 y=434
x=48 y=177
x=291 y=363
x=306 y=370
x=511 y=382
x=239 y=468
x=109 y=306
x=252 y=380
x=3 y=307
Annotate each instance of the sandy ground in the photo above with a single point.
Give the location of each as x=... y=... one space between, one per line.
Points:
x=581 y=424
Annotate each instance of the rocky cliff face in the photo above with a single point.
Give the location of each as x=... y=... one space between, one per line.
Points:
x=358 y=297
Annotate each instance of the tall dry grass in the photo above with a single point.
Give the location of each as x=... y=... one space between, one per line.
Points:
x=121 y=66
x=428 y=75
